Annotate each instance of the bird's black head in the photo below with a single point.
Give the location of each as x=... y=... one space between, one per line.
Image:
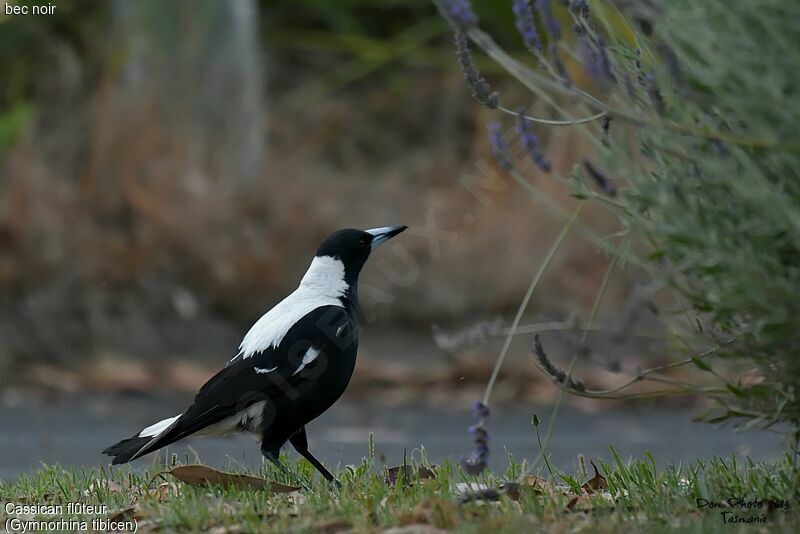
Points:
x=352 y=247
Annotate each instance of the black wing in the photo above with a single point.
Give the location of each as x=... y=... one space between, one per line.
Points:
x=266 y=375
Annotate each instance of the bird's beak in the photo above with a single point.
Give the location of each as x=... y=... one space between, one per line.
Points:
x=383 y=234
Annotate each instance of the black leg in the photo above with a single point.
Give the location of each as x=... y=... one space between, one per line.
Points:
x=300 y=443
x=274 y=458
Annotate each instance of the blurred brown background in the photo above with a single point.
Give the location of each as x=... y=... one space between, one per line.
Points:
x=173 y=167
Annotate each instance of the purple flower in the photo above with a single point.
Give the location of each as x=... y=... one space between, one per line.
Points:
x=479 y=410
x=459 y=12
x=526 y=25
x=606 y=129
x=530 y=142
x=480 y=88
x=595 y=60
x=477 y=461
x=546 y=13
x=499 y=146
x=605 y=183
x=580 y=8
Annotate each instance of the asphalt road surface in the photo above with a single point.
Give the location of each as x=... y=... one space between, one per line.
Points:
x=72 y=431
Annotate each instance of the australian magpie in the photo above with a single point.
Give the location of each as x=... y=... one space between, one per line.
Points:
x=291 y=366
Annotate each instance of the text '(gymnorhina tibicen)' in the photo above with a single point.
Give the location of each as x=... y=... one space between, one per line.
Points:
x=291 y=366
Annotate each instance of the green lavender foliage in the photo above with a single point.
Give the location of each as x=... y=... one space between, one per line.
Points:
x=719 y=203
x=705 y=144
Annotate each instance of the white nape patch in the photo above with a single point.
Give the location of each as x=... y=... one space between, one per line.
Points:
x=310 y=355
x=158 y=428
x=322 y=285
x=247 y=420
x=263 y=371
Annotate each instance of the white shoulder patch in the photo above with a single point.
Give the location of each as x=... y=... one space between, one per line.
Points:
x=263 y=371
x=322 y=285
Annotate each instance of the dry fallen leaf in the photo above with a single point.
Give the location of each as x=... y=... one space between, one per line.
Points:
x=393 y=473
x=597 y=482
x=334 y=525
x=530 y=483
x=579 y=503
x=200 y=475
x=126 y=514
x=535 y=482
x=161 y=492
x=102 y=484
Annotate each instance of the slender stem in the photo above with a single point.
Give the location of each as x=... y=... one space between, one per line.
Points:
x=643 y=375
x=551 y=122
x=560 y=326
x=524 y=304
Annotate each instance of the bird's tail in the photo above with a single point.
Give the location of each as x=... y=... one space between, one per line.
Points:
x=149 y=439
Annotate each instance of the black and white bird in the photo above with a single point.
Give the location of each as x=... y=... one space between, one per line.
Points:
x=292 y=365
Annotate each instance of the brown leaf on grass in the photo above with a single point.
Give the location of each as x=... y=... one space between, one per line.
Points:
x=392 y=474
x=587 y=503
x=126 y=514
x=161 y=493
x=536 y=482
x=533 y=483
x=332 y=526
x=102 y=485
x=579 y=503
x=597 y=482
x=200 y=475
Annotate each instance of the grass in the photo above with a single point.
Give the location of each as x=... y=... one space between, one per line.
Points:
x=634 y=494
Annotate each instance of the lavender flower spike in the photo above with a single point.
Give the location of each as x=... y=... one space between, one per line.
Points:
x=480 y=438
x=595 y=60
x=526 y=25
x=479 y=410
x=605 y=183
x=580 y=8
x=546 y=13
x=530 y=142
x=459 y=12
x=499 y=146
x=480 y=88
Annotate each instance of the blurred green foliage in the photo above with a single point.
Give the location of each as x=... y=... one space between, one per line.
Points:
x=13 y=121
x=371 y=32
x=721 y=209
